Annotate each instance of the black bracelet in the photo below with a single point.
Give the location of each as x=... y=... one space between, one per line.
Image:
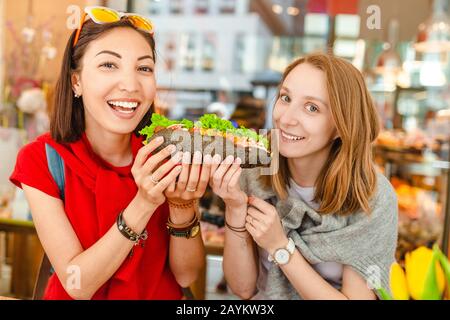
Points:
x=127 y=232
x=235 y=229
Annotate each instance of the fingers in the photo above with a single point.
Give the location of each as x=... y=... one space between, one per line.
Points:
x=254 y=226
x=255 y=216
x=184 y=175
x=145 y=151
x=159 y=173
x=216 y=160
x=234 y=179
x=155 y=159
x=259 y=204
x=221 y=170
x=250 y=228
x=166 y=181
x=230 y=172
x=204 y=176
x=195 y=172
x=172 y=186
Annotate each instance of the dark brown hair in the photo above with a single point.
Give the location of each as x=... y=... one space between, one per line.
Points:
x=67 y=123
x=348 y=178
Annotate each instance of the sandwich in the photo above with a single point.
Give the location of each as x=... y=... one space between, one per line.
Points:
x=210 y=135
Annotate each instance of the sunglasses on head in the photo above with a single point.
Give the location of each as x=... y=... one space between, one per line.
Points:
x=102 y=15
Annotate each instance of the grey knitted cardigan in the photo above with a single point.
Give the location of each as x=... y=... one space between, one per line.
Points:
x=365 y=242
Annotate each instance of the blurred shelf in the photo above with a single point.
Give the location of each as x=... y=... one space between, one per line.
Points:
x=20 y=226
x=408 y=156
x=214 y=248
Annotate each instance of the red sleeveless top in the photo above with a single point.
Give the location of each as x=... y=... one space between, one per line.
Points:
x=95 y=193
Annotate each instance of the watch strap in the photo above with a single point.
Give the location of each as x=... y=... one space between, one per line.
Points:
x=290 y=247
x=185 y=233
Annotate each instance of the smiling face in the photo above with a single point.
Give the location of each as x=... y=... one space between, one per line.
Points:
x=116 y=81
x=302 y=113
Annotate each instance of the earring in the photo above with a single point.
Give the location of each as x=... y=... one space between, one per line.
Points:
x=77 y=95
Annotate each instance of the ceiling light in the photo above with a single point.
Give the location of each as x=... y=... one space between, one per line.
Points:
x=277 y=9
x=434 y=34
x=293 y=11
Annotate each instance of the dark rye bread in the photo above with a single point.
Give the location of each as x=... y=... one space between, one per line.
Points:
x=186 y=141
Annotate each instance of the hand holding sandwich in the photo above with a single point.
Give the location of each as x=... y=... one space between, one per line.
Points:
x=225 y=183
x=152 y=177
x=193 y=179
x=209 y=138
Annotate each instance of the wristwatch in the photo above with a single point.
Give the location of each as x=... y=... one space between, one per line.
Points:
x=282 y=256
x=189 y=232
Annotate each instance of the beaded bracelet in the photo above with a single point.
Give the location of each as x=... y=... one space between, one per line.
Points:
x=182 y=205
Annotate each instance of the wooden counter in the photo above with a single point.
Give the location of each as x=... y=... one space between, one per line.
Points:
x=26 y=257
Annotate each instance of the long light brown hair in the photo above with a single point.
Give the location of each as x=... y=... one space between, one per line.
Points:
x=348 y=178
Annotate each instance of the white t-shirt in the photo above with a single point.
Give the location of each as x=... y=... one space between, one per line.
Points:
x=330 y=271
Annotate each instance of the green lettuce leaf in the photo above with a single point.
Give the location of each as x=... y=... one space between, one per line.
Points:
x=161 y=121
x=211 y=121
x=207 y=121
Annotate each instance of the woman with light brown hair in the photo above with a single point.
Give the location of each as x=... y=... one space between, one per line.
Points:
x=324 y=226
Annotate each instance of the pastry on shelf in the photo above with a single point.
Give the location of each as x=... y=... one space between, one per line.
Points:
x=415 y=202
x=389 y=138
x=212 y=234
x=415 y=140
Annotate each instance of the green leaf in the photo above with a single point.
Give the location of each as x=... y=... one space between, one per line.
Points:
x=445 y=264
x=161 y=121
x=207 y=121
x=212 y=121
x=431 y=289
x=384 y=294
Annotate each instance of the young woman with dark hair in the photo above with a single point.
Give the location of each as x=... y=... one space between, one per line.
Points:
x=107 y=237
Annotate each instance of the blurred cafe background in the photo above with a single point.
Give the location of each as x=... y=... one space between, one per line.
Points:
x=226 y=57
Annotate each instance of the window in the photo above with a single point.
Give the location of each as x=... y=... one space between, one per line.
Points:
x=148 y=7
x=187 y=51
x=209 y=51
x=202 y=7
x=120 y=5
x=313 y=44
x=316 y=24
x=176 y=6
x=347 y=26
x=239 y=53
x=347 y=32
x=316 y=31
x=170 y=49
x=345 y=48
x=227 y=6
x=154 y=8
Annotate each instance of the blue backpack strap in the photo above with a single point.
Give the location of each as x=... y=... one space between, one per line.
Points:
x=56 y=166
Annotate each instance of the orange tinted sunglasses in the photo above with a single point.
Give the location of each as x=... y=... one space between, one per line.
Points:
x=102 y=15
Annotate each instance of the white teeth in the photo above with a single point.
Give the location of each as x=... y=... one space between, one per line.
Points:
x=294 y=138
x=123 y=104
x=125 y=111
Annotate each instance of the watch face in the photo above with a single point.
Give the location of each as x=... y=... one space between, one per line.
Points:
x=195 y=230
x=282 y=256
